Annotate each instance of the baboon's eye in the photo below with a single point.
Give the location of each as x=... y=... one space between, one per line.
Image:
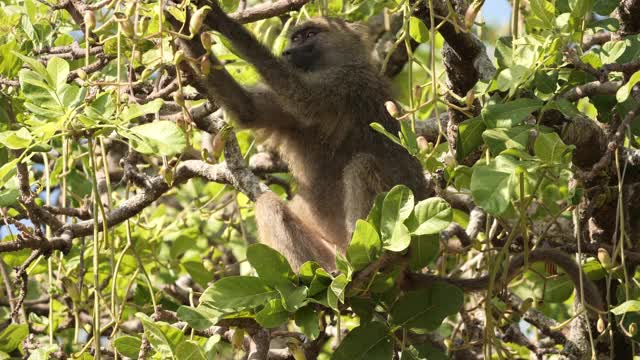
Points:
x=311 y=34
x=295 y=38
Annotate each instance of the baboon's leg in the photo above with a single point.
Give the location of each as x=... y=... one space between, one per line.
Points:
x=362 y=181
x=298 y=241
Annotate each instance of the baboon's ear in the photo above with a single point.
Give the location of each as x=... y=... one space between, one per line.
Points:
x=362 y=30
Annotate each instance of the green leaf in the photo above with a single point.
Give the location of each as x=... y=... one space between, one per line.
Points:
x=210 y=348
x=365 y=245
x=375 y=214
x=36 y=66
x=396 y=208
x=379 y=128
x=539 y=283
x=293 y=296
x=189 y=350
x=237 y=293
x=198 y=272
x=163 y=337
x=272 y=315
x=8 y=197
x=9 y=63
x=307 y=319
x=163 y=138
x=543 y=10
x=550 y=148
x=544 y=82
x=199 y=318
x=424 y=250
x=12 y=337
x=605 y=7
x=427 y=308
x=509 y=114
x=136 y=110
x=307 y=272
x=565 y=107
x=321 y=282
x=612 y=50
x=58 y=69
x=343 y=265
x=580 y=8
x=592 y=59
x=363 y=307
x=336 y=291
x=370 y=341
x=504 y=51
x=418 y=30
x=469 y=137
x=626 y=307
x=7 y=171
x=270 y=265
x=229 y=6
x=510 y=79
x=499 y=140
x=433 y=215
x=42 y=352
x=423 y=352
x=623 y=92
x=16 y=139
x=491 y=183
x=128 y=346
x=399 y=240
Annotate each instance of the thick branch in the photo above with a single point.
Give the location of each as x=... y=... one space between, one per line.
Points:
x=266 y=10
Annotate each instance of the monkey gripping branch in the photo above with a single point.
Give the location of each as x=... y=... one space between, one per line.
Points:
x=429 y=217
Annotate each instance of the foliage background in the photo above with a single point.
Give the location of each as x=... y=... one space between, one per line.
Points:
x=529 y=141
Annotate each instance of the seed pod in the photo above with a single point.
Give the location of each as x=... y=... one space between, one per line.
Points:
x=146 y=73
x=470 y=98
x=209 y=265
x=130 y=8
x=423 y=144
x=392 y=108
x=633 y=329
x=600 y=325
x=89 y=20
x=127 y=28
x=449 y=160
x=604 y=258
x=178 y=97
x=417 y=92
x=237 y=338
x=178 y=57
x=387 y=19
x=81 y=74
x=207 y=41
x=167 y=174
x=205 y=65
x=296 y=349
x=472 y=12
x=197 y=19
x=218 y=145
x=526 y=305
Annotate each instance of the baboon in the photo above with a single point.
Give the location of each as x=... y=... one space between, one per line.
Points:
x=315 y=106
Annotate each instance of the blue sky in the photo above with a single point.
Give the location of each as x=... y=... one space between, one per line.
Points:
x=496 y=12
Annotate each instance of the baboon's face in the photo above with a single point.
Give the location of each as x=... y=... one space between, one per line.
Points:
x=324 y=43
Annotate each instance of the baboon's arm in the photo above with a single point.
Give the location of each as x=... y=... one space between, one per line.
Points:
x=251 y=107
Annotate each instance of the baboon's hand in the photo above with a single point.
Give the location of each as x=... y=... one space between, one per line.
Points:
x=215 y=16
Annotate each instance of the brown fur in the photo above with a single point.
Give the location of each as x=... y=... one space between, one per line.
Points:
x=317 y=112
x=315 y=107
